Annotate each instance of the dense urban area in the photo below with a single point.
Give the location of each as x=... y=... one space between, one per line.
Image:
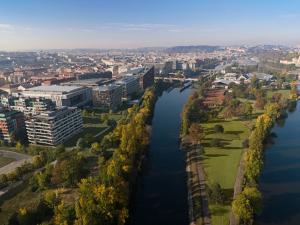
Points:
x=76 y=130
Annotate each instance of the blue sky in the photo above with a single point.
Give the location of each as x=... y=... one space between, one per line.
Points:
x=42 y=24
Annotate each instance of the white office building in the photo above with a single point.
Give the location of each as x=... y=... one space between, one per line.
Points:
x=71 y=96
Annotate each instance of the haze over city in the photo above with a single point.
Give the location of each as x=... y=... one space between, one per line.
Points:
x=149 y=112
x=34 y=24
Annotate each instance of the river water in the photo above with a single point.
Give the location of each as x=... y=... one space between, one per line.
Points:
x=161 y=195
x=280 y=180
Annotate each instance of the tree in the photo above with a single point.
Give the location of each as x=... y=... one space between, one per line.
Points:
x=68 y=172
x=216 y=193
x=260 y=99
x=51 y=198
x=62 y=214
x=99 y=204
x=246 y=110
x=254 y=82
x=19 y=147
x=242 y=209
x=254 y=196
x=95 y=148
x=219 y=128
x=196 y=133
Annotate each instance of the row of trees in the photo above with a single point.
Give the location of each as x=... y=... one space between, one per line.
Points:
x=41 y=158
x=105 y=199
x=248 y=202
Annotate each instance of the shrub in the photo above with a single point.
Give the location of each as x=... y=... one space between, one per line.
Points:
x=245 y=143
x=215 y=193
x=219 y=128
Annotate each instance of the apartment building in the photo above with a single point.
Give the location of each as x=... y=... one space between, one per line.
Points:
x=147 y=78
x=11 y=123
x=27 y=105
x=52 y=128
x=108 y=96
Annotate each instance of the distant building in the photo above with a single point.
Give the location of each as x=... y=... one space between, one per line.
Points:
x=129 y=84
x=9 y=88
x=179 y=65
x=62 y=95
x=11 y=123
x=25 y=86
x=54 y=127
x=107 y=96
x=168 y=68
x=88 y=82
x=261 y=76
x=147 y=78
x=106 y=74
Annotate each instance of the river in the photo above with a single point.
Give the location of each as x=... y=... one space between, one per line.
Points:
x=161 y=195
x=280 y=179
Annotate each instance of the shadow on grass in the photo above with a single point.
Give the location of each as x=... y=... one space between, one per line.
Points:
x=215 y=155
x=218 y=210
x=231 y=148
x=234 y=132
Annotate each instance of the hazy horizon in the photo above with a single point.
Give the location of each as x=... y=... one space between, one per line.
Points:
x=116 y=24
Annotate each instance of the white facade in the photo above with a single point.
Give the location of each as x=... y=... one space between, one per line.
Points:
x=62 y=95
x=54 y=127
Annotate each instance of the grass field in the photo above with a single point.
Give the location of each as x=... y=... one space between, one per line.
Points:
x=285 y=93
x=92 y=125
x=221 y=163
x=5 y=161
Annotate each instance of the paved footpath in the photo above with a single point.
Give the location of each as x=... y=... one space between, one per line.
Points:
x=20 y=159
x=203 y=194
x=195 y=162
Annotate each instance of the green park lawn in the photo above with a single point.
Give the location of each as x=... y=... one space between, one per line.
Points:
x=221 y=163
x=285 y=93
x=92 y=125
x=5 y=161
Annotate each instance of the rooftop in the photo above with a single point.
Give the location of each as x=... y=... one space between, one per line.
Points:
x=126 y=79
x=54 y=88
x=108 y=87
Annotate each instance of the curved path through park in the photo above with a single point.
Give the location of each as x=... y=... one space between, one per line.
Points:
x=19 y=158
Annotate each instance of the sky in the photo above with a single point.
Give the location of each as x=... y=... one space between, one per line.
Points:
x=54 y=24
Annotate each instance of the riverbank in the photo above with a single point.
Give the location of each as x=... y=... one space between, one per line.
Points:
x=279 y=180
x=223 y=132
x=161 y=193
x=197 y=197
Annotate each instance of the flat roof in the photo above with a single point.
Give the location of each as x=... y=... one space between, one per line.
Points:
x=95 y=81
x=54 y=88
x=107 y=87
x=126 y=79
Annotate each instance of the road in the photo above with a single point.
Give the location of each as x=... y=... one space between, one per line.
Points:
x=20 y=159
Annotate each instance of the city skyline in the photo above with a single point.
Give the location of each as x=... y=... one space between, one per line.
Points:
x=27 y=25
